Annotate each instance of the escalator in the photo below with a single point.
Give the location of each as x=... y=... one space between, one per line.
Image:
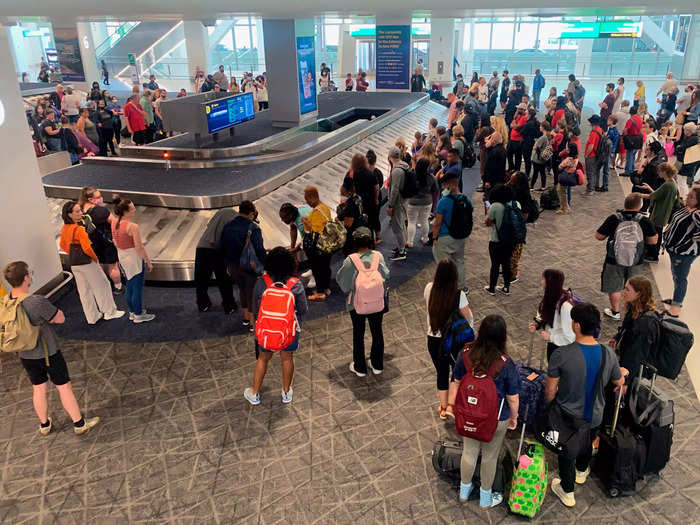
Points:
x=136 y=41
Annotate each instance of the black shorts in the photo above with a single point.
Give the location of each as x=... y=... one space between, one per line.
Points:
x=106 y=252
x=39 y=373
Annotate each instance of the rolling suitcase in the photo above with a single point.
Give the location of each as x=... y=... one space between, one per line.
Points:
x=651 y=414
x=446 y=459
x=532 y=381
x=530 y=477
x=621 y=457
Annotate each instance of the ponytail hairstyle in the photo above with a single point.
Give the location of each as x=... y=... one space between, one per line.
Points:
x=121 y=206
x=85 y=195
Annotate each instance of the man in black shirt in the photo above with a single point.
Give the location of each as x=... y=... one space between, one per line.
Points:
x=51 y=132
x=350 y=212
x=615 y=275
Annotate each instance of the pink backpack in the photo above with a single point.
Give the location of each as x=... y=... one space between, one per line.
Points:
x=369 y=286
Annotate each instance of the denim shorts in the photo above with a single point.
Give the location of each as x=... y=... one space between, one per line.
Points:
x=291 y=348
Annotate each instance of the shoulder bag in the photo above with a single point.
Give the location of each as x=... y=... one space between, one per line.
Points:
x=76 y=255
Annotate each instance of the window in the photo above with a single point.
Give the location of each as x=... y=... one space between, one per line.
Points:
x=482 y=36
x=242 y=34
x=525 y=35
x=502 y=36
x=332 y=35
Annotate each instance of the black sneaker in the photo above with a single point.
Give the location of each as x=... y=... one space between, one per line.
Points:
x=118 y=291
x=598 y=188
x=502 y=289
x=398 y=255
x=466 y=290
x=231 y=309
x=604 y=189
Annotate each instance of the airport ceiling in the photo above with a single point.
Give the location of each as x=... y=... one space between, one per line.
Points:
x=208 y=10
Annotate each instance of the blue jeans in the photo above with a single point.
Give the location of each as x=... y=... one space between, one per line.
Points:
x=680 y=268
x=134 y=291
x=629 y=160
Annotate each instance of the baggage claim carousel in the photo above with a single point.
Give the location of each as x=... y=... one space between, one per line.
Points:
x=177 y=186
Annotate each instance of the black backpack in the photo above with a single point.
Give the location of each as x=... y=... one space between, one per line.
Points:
x=410 y=183
x=513 y=229
x=462 y=222
x=549 y=200
x=533 y=212
x=604 y=150
x=468 y=157
x=675 y=342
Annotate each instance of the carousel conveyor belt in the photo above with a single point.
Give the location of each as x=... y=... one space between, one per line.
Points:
x=171 y=235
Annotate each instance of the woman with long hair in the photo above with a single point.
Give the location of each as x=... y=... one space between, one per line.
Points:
x=499 y=124
x=132 y=257
x=640 y=329
x=682 y=243
x=422 y=203
x=442 y=298
x=427 y=152
x=403 y=148
x=482 y=357
x=280 y=265
x=553 y=318
x=444 y=145
x=93 y=286
x=559 y=111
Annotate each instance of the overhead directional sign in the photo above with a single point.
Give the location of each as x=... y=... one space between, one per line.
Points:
x=615 y=29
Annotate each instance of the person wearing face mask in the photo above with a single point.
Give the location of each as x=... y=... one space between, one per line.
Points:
x=93 y=286
x=116 y=109
x=235 y=235
x=98 y=222
x=452 y=225
x=104 y=118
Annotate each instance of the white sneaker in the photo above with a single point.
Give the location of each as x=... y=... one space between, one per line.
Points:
x=287 y=396
x=610 y=313
x=89 y=423
x=253 y=399
x=116 y=314
x=143 y=318
x=567 y=498
x=307 y=274
x=374 y=370
x=352 y=369
x=99 y=318
x=581 y=477
x=132 y=315
x=312 y=283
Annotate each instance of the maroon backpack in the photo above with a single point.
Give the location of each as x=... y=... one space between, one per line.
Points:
x=476 y=408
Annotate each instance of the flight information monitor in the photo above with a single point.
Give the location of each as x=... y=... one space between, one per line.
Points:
x=226 y=112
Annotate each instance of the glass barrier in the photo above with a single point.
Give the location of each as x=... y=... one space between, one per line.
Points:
x=109 y=42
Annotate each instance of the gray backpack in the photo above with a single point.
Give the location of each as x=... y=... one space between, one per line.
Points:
x=628 y=243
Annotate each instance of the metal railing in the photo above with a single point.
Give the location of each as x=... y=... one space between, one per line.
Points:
x=109 y=42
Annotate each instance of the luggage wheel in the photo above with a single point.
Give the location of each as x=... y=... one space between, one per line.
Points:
x=613 y=492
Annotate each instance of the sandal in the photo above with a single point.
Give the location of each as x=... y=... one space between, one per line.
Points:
x=443 y=412
x=317 y=297
x=449 y=413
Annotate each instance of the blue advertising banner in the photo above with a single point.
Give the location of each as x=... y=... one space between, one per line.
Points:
x=393 y=57
x=307 y=74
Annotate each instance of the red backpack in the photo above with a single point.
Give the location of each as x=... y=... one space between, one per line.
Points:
x=276 y=326
x=476 y=407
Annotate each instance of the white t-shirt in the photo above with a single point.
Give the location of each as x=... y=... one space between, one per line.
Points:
x=71 y=104
x=463 y=303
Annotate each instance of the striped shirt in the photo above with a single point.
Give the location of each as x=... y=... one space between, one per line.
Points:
x=682 y=229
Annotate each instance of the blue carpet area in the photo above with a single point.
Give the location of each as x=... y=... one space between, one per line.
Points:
x=177 y=317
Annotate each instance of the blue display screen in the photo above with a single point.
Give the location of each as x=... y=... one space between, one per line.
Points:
x=226 y=112
x=307 y=76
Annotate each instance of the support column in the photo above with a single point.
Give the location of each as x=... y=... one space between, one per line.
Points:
x=26 y=233
x=291 y=69
x=584 y=54
x=197 y=47
x=441 y=52
x=691 y=65
x=87 y=52
x=393 y=51
x=346 y=55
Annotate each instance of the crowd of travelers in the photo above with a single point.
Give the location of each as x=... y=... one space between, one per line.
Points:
x=95 y=123
x=495 y=122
